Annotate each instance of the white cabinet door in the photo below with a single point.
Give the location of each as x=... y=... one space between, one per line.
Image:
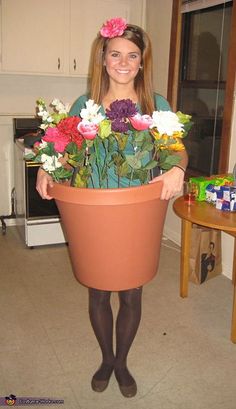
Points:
x=33 y=36
x=55 y=36
x=86 y=19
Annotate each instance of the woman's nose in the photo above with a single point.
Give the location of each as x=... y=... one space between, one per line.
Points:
x=123 y=60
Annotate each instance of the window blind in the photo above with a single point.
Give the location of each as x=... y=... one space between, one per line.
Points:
x=192 y=5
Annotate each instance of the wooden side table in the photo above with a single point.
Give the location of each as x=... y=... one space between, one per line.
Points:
x=204 y=214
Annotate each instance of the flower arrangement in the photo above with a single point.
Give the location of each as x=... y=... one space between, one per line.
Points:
x=93 y=149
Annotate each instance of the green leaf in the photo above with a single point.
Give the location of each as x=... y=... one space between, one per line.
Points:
x=123 y=169
x=142 y=175
x=133 y=161
x=72 y=148
x=81 y=176
x=169 y=161
x=122 y=140
x=49 y=150
x=29 y=156
x=150 y=165
x=62 y=173
x=57 y=117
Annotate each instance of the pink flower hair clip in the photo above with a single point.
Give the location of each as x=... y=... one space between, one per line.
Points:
x=114 y=27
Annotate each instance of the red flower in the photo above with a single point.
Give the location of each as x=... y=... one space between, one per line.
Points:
x=66 y=131
x=68 y=127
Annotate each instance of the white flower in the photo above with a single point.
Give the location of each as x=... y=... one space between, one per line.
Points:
x=90 y=113
x=60 y=107
x=55 y=102
x=50 y=163
x=42 y=145
x=46 y=117
x=44 y=126
x=166 y=122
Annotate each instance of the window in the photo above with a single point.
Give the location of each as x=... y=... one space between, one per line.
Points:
x=200 y=89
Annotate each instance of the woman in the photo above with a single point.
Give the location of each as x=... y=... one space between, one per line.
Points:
x=121 y=68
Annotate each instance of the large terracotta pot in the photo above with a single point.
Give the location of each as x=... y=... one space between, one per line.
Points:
x=114 y=235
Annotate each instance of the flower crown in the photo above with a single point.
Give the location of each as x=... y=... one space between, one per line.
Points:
x=114 y=27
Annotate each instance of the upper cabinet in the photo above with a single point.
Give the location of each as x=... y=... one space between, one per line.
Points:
x=33 y=36
x=55 y=37
x=85 y=21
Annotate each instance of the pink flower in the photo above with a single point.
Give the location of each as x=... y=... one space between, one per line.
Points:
x=60 y=140
x=140 y=122
x=88 y=130
x=114 y=27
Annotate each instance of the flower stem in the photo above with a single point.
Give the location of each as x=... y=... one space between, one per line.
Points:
x=98 y=161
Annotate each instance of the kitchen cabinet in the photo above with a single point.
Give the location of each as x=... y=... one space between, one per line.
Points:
x=85 y=22
x=55 y=37
x=33 y=36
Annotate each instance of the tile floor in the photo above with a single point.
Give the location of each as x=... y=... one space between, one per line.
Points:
x=182 y=357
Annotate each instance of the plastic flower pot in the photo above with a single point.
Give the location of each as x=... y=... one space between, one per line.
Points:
x=114 y=235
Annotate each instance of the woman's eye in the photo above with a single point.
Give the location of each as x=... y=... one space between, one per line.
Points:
x=133 y=56
x=115 y=54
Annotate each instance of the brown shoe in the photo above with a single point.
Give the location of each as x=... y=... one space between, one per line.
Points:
x=128 y=391
x=99 y=386
x=126 y=382
x=100 y=379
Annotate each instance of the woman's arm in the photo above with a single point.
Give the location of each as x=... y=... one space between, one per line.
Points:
x=173 y=179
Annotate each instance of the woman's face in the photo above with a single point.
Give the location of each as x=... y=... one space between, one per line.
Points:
x=122 y=60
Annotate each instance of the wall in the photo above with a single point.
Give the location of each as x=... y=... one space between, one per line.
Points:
x=158 y=23
x=159 y=27
x=19 y=92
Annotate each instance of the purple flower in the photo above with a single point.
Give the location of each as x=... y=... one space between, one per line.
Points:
x=119 y=112
x=119 y=126
x=121 y=109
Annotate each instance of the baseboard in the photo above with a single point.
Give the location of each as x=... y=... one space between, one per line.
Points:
x=10 y=222
x=172 y=235
x=227 y=270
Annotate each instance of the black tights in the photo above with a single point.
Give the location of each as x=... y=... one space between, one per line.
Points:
x=127 y=324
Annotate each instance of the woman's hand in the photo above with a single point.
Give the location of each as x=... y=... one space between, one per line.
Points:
x=172 y=182
x=43 y=180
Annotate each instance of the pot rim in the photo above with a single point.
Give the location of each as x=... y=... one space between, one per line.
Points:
x=116 y=196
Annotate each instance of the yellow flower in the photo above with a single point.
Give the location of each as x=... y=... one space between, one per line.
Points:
x=177 y=147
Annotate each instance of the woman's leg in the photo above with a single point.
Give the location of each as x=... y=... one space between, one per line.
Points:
x=101 y=318
x=127 y=324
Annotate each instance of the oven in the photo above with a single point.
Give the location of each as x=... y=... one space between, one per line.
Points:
x=37 y=220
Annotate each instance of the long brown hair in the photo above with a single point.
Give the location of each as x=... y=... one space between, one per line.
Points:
x=99 y=79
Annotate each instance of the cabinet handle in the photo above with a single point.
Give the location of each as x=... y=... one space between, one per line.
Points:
x=74 y=64
x=58 y=63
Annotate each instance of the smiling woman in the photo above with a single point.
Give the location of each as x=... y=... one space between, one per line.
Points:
x=121 y=70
